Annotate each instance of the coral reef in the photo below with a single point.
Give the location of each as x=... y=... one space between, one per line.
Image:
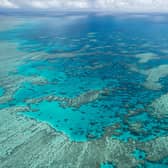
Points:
x=156 y=149
x=159 y=107
x=87 y=97
x=76 y=102
x=31 y=139
x=153 y=75
x=145 y=57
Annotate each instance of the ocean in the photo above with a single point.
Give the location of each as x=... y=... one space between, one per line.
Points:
x=90 y=77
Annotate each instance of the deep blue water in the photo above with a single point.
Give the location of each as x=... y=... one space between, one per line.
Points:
x=95 y=54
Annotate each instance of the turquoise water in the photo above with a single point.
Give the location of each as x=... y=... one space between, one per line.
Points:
x=1 y=91
x=86 y=65
x=106 y=165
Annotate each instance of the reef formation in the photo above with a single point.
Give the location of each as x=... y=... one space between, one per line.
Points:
x=81 y=100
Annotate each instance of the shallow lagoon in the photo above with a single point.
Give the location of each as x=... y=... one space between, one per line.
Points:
x=89 y=77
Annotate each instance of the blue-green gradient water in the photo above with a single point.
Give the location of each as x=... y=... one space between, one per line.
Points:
x=88 y=55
